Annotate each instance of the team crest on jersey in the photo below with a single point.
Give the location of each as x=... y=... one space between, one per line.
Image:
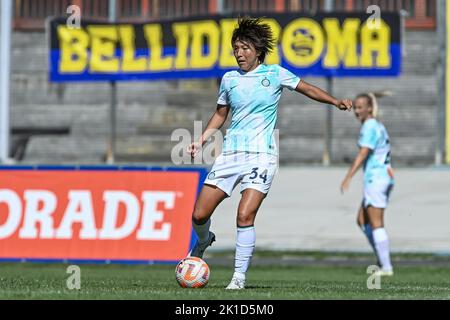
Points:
x=265 y=82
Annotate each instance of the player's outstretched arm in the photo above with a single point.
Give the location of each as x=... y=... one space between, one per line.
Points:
x=215 y=123
x=359 y=160
x=318 y=94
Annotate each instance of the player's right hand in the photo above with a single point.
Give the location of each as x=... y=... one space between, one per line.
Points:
x=194 y=148
x=346 y=104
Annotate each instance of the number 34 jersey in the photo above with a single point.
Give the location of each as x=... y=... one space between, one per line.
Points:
x=253 y=98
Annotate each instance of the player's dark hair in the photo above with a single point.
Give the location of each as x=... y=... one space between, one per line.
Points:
x=256 y=32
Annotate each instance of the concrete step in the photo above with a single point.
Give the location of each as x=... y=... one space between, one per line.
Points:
x=25 y=89
x=292 y=149
x=411 y=90
x=310 y=121
x=65 y=149
x=95 y=119
x=35 y=89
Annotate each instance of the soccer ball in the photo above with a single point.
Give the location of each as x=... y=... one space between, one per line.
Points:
x=192 y=272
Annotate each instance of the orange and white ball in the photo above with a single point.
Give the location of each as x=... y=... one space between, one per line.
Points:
x=192 y=272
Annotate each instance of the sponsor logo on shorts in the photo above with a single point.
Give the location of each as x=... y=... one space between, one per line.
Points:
x=211 y=175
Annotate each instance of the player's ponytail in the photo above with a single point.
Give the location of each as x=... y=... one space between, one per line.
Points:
x=372 y=100
x=374 y=104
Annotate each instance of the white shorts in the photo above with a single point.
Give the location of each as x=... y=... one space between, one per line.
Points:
x=377 y=192
x=252 y=170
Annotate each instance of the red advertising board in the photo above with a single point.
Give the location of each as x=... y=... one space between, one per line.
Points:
x=96 y=215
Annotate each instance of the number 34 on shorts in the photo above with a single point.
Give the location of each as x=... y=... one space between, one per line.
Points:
x=250 y=170
x=259 y=178
x=255 y=176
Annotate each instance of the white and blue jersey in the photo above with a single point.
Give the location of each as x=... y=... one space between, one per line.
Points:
x=374 y=136
x=253 y=98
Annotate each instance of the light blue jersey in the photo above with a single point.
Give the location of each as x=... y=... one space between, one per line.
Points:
x=374 y=136
x=253 y=98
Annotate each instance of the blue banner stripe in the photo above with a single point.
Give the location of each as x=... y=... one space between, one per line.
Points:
x=316 y=69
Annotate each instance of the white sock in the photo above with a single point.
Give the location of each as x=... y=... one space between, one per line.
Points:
x=202 y=230
x=381 y=241
x=245 y=244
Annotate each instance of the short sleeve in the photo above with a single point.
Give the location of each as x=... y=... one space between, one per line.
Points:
x=223 y=96
x=368 y=137
x=288 y=79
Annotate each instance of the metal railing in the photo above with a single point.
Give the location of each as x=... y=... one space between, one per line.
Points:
x=31 y=14
x=249 y=6
x=421 y=13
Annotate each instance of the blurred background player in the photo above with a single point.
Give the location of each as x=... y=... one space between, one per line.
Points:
x=249 y=154
x=375 y=154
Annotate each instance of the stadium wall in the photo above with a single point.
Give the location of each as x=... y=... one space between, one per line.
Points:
x=69 y=123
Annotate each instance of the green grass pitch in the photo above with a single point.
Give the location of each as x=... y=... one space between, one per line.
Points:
x=48 y=281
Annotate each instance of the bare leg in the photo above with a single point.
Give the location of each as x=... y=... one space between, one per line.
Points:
x=207 y=202
x=376 y=216
x=361 y=217
x=363 y=223
x=248 y=207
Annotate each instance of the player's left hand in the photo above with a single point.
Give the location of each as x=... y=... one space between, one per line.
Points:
x=346 y=104
x=345 y=185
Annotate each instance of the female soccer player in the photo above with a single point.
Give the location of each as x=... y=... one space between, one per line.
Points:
x=249 y=154
x=374 y=153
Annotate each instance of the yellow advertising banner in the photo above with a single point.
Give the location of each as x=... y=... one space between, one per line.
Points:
x=334 y=45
